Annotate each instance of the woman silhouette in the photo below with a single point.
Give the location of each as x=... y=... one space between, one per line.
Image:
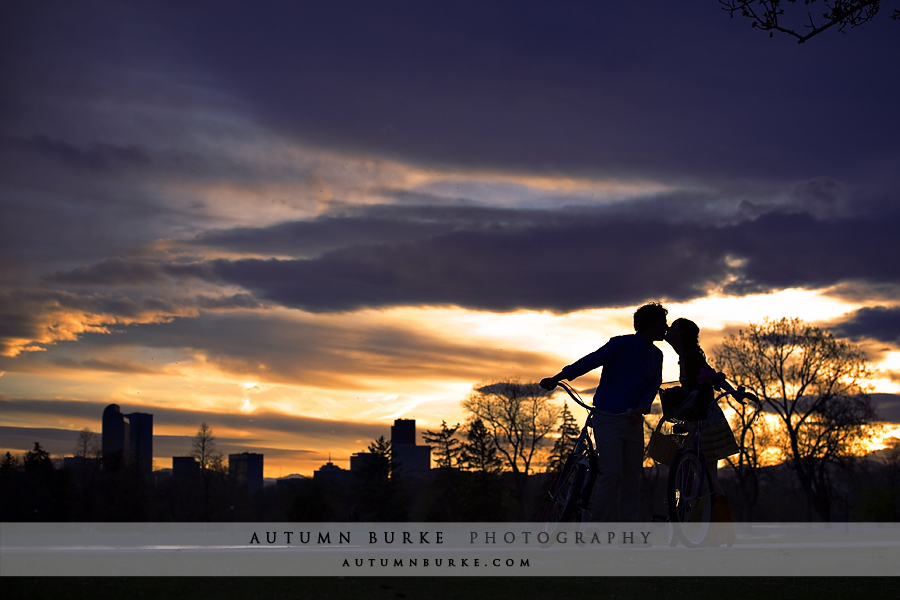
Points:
x=694 y=372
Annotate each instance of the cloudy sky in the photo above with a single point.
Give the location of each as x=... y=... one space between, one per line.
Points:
x=300 y=221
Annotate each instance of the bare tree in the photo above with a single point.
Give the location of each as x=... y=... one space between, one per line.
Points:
x=88 y=445
x=203 y=448
x=518 y=416
x=815 y=384
x=769 y=15
x=754 y=437
x=90 y=451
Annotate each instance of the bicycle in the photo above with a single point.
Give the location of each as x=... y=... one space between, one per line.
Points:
x=570 y=495
x=688 y=489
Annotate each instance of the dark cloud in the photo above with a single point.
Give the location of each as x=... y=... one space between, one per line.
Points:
x=358 y=226
x=798 y=250
x=112 y=271
x=98 y=156
x=887 y=407
x=109 y=366
x=115 y=272
x=559 y=260
x=587 y=261
x=304 y=238
x=875 y=322
x=862 y=292
x=555 y=268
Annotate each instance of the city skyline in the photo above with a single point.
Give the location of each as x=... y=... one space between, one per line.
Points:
x=298 y=223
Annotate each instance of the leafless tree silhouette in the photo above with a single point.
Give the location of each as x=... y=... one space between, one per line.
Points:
x=769 y=15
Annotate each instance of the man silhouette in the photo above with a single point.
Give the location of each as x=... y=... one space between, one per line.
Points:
x=631 y=376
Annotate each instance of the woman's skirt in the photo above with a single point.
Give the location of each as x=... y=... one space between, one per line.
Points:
x=718 y=440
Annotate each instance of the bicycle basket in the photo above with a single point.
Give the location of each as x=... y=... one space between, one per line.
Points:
x=683 y=406
x=663 y=447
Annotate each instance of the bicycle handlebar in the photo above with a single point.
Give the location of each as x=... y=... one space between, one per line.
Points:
x=573 y=395
x=739 y=394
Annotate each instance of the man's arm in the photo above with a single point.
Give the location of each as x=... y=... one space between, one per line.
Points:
x=583 y=365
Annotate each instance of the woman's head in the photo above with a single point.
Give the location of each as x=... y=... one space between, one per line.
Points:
x=685 y=329
x=684 y=337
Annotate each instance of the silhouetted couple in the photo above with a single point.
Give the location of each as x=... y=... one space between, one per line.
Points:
x=629 y=382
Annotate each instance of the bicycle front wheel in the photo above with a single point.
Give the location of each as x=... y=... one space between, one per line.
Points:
x=564 y=502
x=689 y=498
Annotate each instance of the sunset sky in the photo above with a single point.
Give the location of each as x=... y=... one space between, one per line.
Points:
x=300 y=221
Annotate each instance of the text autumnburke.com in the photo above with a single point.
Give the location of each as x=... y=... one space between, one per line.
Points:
x=437 y=562
x=306 y=538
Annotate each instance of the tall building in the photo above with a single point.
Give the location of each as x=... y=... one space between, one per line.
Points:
x=127 y=439
x=403 y=431
x=330 y=472
x=365 y=463
x=115 y=440
x=247 y=469
x=410 y=458
x=140 y=446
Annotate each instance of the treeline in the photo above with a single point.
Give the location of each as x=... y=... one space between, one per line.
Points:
x=33 y=490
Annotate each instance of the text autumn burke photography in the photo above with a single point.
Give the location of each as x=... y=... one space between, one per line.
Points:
x=488 y=538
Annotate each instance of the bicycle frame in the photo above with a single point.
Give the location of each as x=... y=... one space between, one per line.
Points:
x=583 y=458
x=689 y=490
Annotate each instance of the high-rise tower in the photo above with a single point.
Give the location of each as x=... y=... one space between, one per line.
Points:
x=115 y=440
x=140 y=447
x=410 y=458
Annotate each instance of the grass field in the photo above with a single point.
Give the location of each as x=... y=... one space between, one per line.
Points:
x=468 y=588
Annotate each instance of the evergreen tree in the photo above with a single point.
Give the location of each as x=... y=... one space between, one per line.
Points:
x=447 y=447
x=377 y=487
x=9 y=463
x=37 y=459
x=385 y=464
x=568 y=433
x=478 y=452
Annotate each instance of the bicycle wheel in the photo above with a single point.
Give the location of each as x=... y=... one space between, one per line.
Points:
x=689 y=498
x=564 y=503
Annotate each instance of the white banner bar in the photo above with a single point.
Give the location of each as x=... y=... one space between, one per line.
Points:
x=443 y=549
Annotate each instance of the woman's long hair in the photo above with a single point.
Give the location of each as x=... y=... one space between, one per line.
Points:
x=692 y=357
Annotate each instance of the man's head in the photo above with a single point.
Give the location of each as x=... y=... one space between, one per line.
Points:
x=650 y=321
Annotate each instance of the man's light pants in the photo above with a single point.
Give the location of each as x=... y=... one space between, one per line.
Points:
x=620 y=448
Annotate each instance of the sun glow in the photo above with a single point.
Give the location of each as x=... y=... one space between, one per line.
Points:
x=886 y=380
x=883 y=437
